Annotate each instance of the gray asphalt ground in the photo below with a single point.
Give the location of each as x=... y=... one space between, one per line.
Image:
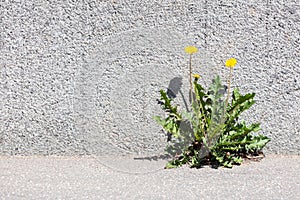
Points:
x=90 y=177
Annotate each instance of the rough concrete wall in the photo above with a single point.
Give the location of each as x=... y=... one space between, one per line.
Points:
x=85 y=75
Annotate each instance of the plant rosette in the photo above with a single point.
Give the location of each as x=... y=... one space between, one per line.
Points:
x=215 y=133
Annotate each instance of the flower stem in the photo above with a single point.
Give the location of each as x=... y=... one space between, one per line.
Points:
x=191 y=84
x=229 y=81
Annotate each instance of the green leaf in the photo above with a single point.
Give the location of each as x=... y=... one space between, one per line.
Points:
x=173 y=164
x=238 y=160
x=257 y=143
x=239 y=104
x=217 y=115
x=172 y=122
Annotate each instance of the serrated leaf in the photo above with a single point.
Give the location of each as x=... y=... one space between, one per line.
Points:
x=257 y=143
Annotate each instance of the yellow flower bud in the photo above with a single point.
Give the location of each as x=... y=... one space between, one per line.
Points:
x=196 y=76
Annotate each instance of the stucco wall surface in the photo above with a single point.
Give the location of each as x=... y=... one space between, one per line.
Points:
x=84 y=76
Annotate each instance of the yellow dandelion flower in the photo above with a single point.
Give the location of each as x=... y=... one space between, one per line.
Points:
x=196 y=76
x=231 y=62
x=190 y=49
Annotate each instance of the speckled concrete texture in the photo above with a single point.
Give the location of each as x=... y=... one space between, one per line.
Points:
x=81 y=77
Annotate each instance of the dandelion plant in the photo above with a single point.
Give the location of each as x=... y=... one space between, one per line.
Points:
x=219 y=136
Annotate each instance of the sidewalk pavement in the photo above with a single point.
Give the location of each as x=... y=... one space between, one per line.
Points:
x=91 y=177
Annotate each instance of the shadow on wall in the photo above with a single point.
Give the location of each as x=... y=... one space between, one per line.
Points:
x=174 y=88
x=177 y=144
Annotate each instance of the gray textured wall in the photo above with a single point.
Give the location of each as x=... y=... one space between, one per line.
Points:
x=85 y=75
